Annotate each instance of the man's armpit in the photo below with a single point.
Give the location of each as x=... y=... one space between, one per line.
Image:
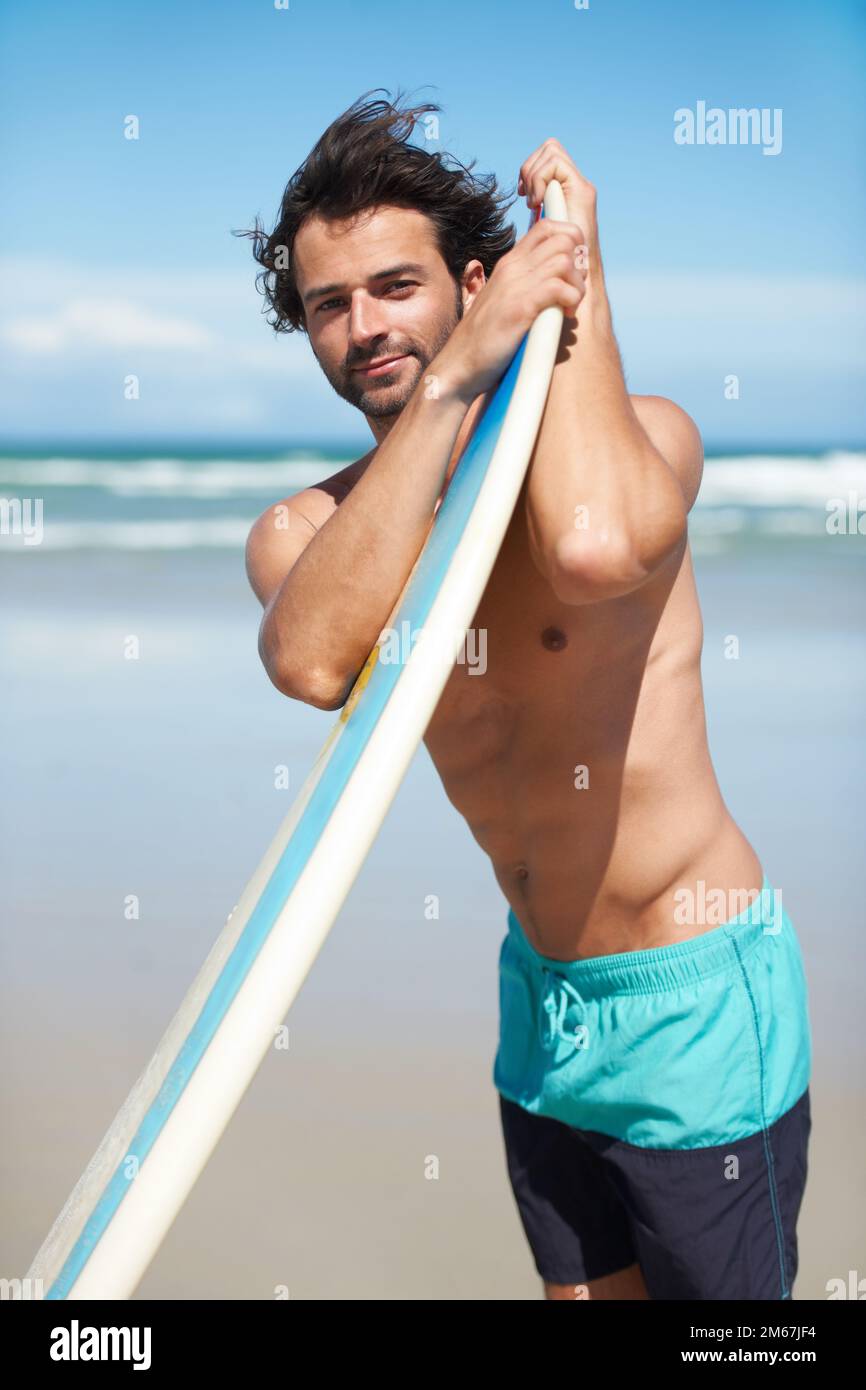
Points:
x=304 y=517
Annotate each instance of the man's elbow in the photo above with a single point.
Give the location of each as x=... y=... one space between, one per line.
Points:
x=586 y=568
x=309 y=688
x=298 y=680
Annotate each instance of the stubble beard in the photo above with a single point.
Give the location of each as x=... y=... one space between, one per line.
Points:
x=382 y=401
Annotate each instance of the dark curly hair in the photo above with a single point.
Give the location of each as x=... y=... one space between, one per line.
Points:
x=363 y=160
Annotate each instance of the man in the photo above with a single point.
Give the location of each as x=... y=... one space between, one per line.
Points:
x=654 y=1057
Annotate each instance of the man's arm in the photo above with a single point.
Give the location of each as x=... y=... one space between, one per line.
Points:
x=612 y=477
x=328 y=575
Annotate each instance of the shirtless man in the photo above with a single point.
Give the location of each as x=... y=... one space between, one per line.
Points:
x=653 y=1060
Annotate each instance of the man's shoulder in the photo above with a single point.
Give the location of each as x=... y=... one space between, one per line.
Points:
x=316 y=502
x=284 y=529
x=677 y=438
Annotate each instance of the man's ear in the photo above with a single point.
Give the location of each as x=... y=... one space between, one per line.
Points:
x=473 y=282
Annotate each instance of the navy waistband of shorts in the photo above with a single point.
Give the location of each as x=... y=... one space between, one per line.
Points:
x=666 y=967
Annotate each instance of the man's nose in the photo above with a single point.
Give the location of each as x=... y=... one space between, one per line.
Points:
x=367 y=320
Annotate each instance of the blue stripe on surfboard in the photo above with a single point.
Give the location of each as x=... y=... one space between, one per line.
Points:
x=448 y=527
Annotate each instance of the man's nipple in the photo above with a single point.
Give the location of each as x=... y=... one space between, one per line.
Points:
x=554 y=639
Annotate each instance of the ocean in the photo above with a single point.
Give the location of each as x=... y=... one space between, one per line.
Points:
x=183 y=499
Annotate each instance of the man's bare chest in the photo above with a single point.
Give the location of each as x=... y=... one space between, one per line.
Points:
x=530 y=659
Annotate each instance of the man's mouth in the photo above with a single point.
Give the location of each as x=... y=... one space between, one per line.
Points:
x=381 y=365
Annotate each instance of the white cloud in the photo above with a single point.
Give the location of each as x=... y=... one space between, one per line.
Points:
x=211 y=320
x=99 y=323
x=799 y=324
x=208 y=358
x=728 y=295
x=197 y=339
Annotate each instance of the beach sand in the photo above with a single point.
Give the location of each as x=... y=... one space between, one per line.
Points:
x=156 y=778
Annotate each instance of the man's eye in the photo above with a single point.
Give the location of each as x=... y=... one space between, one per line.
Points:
x=394 y=285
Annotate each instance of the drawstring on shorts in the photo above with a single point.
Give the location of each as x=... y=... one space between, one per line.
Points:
x=555 y=1003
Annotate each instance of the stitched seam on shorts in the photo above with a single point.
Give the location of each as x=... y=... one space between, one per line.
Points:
x=768 y=1151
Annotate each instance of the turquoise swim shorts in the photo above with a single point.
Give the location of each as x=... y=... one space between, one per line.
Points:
x=628 y=1081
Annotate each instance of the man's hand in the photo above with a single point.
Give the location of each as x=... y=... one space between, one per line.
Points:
x=550 y=161
x=540 y=271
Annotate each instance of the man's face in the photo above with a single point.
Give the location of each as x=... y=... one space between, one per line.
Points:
x=375 y=288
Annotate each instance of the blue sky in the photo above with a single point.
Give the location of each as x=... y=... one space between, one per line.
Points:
x=118 y=258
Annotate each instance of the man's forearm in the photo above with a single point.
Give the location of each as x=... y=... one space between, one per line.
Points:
x=324 y=620
x=603 y=506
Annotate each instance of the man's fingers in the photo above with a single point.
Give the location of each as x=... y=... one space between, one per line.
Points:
x=557 y=280
x=542 y=166
x=549 y=239
x=548 y=227
x=549 y=161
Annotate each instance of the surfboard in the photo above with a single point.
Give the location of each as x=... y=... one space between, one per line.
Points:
x=128 y=1196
